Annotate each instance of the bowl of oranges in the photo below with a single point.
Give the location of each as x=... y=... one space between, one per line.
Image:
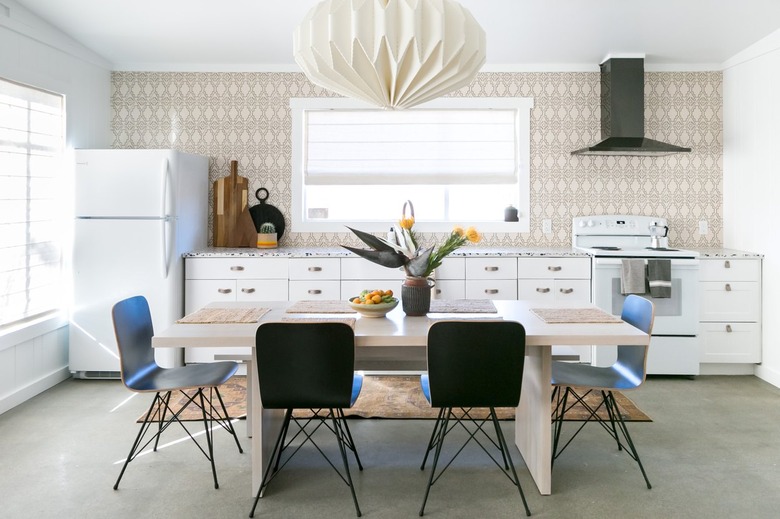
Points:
x=374 y=303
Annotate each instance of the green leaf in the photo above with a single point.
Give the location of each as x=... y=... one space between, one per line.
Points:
x=390 y=259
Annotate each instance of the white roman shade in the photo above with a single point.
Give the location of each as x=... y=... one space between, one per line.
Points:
x=420 y=146
x=31 y=144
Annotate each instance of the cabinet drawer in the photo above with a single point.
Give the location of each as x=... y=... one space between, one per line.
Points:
x=574 y=290
x=551 y=267
x=261 y=290
x=491 y=268
x=200 y=292
x=730 y=342
x=729 y=269
x=452 y=268
x=450 y=289
x=236 y=268
x=729 y=301
x=315 y=289
x=491 y=289
x=315 y=268
x=359 y=268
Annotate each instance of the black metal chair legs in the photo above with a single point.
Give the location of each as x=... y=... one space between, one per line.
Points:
x=445 y=423
x=333 y=420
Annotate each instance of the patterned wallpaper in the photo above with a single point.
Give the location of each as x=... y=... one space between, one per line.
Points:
x=246 y=117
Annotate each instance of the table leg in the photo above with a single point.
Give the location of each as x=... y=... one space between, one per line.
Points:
x=265 y=424
x=533 y=431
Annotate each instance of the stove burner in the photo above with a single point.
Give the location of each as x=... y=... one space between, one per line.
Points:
x=661 y=248
x=606 y=247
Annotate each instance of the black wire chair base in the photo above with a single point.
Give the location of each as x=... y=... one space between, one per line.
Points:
x=335 y=421
x=161 y=413
x=475 y=429
x=615 y=426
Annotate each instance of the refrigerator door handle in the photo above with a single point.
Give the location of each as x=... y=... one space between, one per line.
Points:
x=165 y=217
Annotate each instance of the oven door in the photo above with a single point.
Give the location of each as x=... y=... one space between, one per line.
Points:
x=677 y=315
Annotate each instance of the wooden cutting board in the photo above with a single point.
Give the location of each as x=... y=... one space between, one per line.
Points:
x=230 y=202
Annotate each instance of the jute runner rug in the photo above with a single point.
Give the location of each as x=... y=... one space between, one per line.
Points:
x=397 y=397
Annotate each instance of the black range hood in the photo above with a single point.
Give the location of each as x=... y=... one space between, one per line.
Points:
x=623 y=113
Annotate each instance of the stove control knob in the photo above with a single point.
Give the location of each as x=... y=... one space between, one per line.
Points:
x=582 y=223
x=591 y=223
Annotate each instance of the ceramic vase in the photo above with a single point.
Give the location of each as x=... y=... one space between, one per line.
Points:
x=416 y=295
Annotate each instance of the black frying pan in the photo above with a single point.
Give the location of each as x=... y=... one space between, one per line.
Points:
x=262 y=213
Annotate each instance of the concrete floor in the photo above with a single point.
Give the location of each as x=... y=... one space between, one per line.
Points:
x=713 y=450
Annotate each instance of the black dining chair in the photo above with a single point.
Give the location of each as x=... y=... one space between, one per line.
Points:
x=573 y=382
x=473 y=364
x=308 y=365
x=141 y=374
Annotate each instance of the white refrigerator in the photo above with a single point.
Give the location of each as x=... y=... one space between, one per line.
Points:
x=136 y=212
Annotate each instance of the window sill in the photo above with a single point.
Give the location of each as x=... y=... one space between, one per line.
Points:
x=14 y=334
x=482 y=227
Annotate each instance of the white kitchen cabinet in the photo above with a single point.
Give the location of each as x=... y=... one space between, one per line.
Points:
x=550 y=278
x=209 y=280
x=450 y=279
x=358 y=274
x=491 y=278
x=315 y=278
x=730 y=318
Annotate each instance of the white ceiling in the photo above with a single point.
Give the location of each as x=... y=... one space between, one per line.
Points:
x=521 y=34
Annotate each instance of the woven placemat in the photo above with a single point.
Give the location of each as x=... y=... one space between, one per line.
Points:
x=346 y=320
x=320 y=307
x=224 y=315
x=462 y=306
x=574 y=315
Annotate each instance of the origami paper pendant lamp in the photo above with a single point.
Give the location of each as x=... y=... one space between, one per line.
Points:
x=391 y=53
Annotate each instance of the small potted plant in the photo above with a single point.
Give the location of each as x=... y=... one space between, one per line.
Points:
x=266 y=237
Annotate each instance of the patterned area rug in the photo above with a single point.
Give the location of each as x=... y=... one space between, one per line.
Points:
x=396 y=397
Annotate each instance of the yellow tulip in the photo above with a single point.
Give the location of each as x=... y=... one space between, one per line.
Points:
x=458 y=230
x=473 y=235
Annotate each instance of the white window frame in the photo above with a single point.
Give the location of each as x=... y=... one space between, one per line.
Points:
x=522 y=106
x=34 y=145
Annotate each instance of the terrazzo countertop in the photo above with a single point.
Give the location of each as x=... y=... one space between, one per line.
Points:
x=338 y=252
x=718 y=252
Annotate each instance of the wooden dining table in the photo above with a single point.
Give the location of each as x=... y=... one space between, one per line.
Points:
x=533 y=431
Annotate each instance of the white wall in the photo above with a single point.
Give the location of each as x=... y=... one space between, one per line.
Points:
x=751 y=176
x=35 y=357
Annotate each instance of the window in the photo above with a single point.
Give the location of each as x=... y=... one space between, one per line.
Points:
x=459 y=160
x=31 y=147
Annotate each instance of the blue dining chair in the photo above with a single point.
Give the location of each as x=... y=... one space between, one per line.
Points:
x=473 y=364
x=576 y=381
x=308 y=366
x=141 y=374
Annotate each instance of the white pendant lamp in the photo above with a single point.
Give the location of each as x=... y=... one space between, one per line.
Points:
x=391 y=53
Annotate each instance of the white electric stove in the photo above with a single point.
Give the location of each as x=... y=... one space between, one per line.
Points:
x=609 y=239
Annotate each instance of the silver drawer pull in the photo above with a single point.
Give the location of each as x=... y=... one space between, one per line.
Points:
x=554 y=269
x=437 y=291
x=315 y=269
x=567 y=290
x=728 y=328
x=543 y=290
x=224 y=290
x=491 y=269
x=237 y=268
x=727 y=264
x=728 y=287
x=491 y=291
x=248 y=290
x=315 y=291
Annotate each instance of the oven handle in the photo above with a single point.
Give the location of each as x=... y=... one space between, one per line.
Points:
x=676 y=262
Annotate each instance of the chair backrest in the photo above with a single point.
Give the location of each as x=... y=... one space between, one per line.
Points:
x=305 y=365
x=133 y=330
x=476 y=363
x=640 y=313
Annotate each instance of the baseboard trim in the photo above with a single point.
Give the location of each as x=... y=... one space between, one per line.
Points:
x=34 y=388
x=768 y=375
